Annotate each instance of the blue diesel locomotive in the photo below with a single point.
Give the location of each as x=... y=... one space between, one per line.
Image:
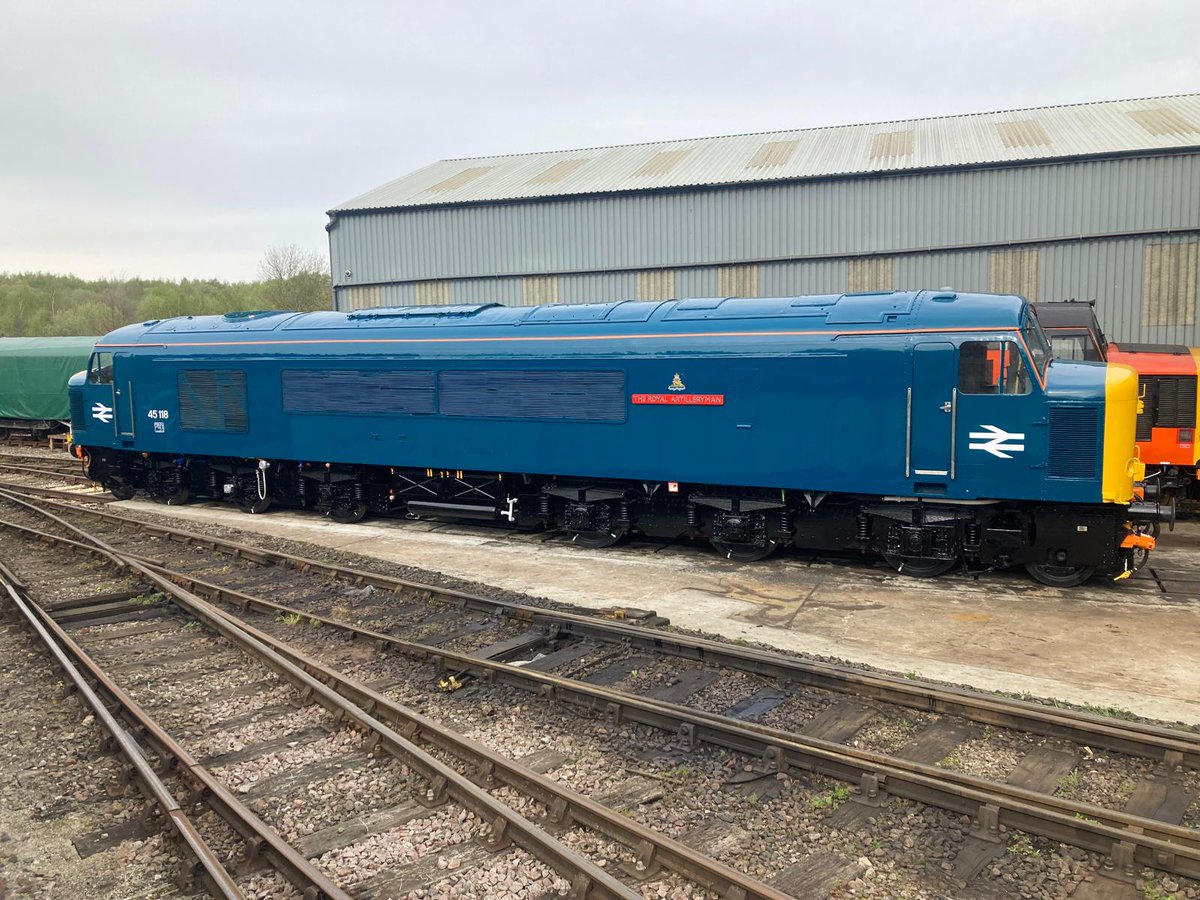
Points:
x=931 y=427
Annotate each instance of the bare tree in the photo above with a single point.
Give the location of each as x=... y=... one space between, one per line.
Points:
x=293 y=278
x=286 y=262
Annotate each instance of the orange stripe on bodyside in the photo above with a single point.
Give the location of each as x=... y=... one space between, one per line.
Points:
x=570 y=337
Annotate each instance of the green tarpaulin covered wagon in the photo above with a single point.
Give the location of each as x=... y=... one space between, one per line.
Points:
x=33 y=378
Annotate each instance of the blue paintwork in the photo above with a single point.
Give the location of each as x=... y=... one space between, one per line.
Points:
x=815 y=391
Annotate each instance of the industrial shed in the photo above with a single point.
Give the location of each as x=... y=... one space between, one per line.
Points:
x=1092 y=201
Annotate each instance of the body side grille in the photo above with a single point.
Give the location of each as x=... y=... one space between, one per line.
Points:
x=1074 y=451
x=213 y=400
x=586 y=396
x=356 y=392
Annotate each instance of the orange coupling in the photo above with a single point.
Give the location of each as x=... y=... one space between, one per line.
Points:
x=1133 y=539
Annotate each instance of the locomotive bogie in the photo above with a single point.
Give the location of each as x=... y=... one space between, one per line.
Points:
x=917 y=537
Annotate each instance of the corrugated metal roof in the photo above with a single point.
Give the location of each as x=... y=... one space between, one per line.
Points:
x=1052 y=132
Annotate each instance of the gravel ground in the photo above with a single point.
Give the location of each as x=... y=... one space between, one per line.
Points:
x=338 y=798
x=442 y=833
x=53 y=789
x=891 y=729
x=901 y=851
x=214 y=743
x=904 y=850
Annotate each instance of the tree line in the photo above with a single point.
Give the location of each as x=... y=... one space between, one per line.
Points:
x=42 y=305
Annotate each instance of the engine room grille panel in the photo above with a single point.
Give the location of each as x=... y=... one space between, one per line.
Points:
x=1176 y=402
x=1168 y=401
x=1074 y=432
x=355 y=392
x=586 y=396
x=213 y=400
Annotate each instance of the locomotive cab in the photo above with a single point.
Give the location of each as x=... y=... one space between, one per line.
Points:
x=102 y=418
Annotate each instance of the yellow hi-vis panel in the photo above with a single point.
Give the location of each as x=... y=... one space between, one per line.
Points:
x=1121 y=464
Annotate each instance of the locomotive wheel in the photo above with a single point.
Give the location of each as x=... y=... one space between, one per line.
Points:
x=179 y=497
x=917 y=567
x=256 y=506
x=1060 y=576
x=348 y=516
x=744 y=552
x=121 y=490
x=597 y=540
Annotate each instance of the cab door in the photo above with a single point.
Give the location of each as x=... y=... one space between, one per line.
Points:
x=97 y=412
x=123 y=399
x=1001 y=422
x=931 y=413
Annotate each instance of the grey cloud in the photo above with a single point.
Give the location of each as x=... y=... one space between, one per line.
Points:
x=182 y=139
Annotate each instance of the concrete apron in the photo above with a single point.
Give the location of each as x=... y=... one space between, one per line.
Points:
x=1098 y=645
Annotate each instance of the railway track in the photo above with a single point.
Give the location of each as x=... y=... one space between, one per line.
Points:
x=24 y=468
x=55 y=459
x=132 y=644
x=667 y=681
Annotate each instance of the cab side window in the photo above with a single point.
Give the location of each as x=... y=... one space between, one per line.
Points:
x=101 y=370
x=992 y=367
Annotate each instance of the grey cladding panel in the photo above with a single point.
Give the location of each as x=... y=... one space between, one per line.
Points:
x=212 y=400
x=586 y=396
x=351 y=392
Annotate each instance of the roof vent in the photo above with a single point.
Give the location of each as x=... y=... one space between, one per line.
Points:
x=412 y=312
x=944 y=296
x=244 y=315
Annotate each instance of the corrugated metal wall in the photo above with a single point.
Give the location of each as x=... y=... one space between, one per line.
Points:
x=1113 y=272
x=1049 y=231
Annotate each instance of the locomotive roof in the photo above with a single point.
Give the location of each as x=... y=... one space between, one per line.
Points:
x=895 y=311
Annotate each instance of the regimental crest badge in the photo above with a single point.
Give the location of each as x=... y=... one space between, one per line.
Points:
x=677 y=384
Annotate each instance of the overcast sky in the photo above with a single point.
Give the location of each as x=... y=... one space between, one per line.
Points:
x=180 y=139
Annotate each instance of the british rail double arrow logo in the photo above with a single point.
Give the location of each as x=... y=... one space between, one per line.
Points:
x=997 y=441
x=102 y=413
